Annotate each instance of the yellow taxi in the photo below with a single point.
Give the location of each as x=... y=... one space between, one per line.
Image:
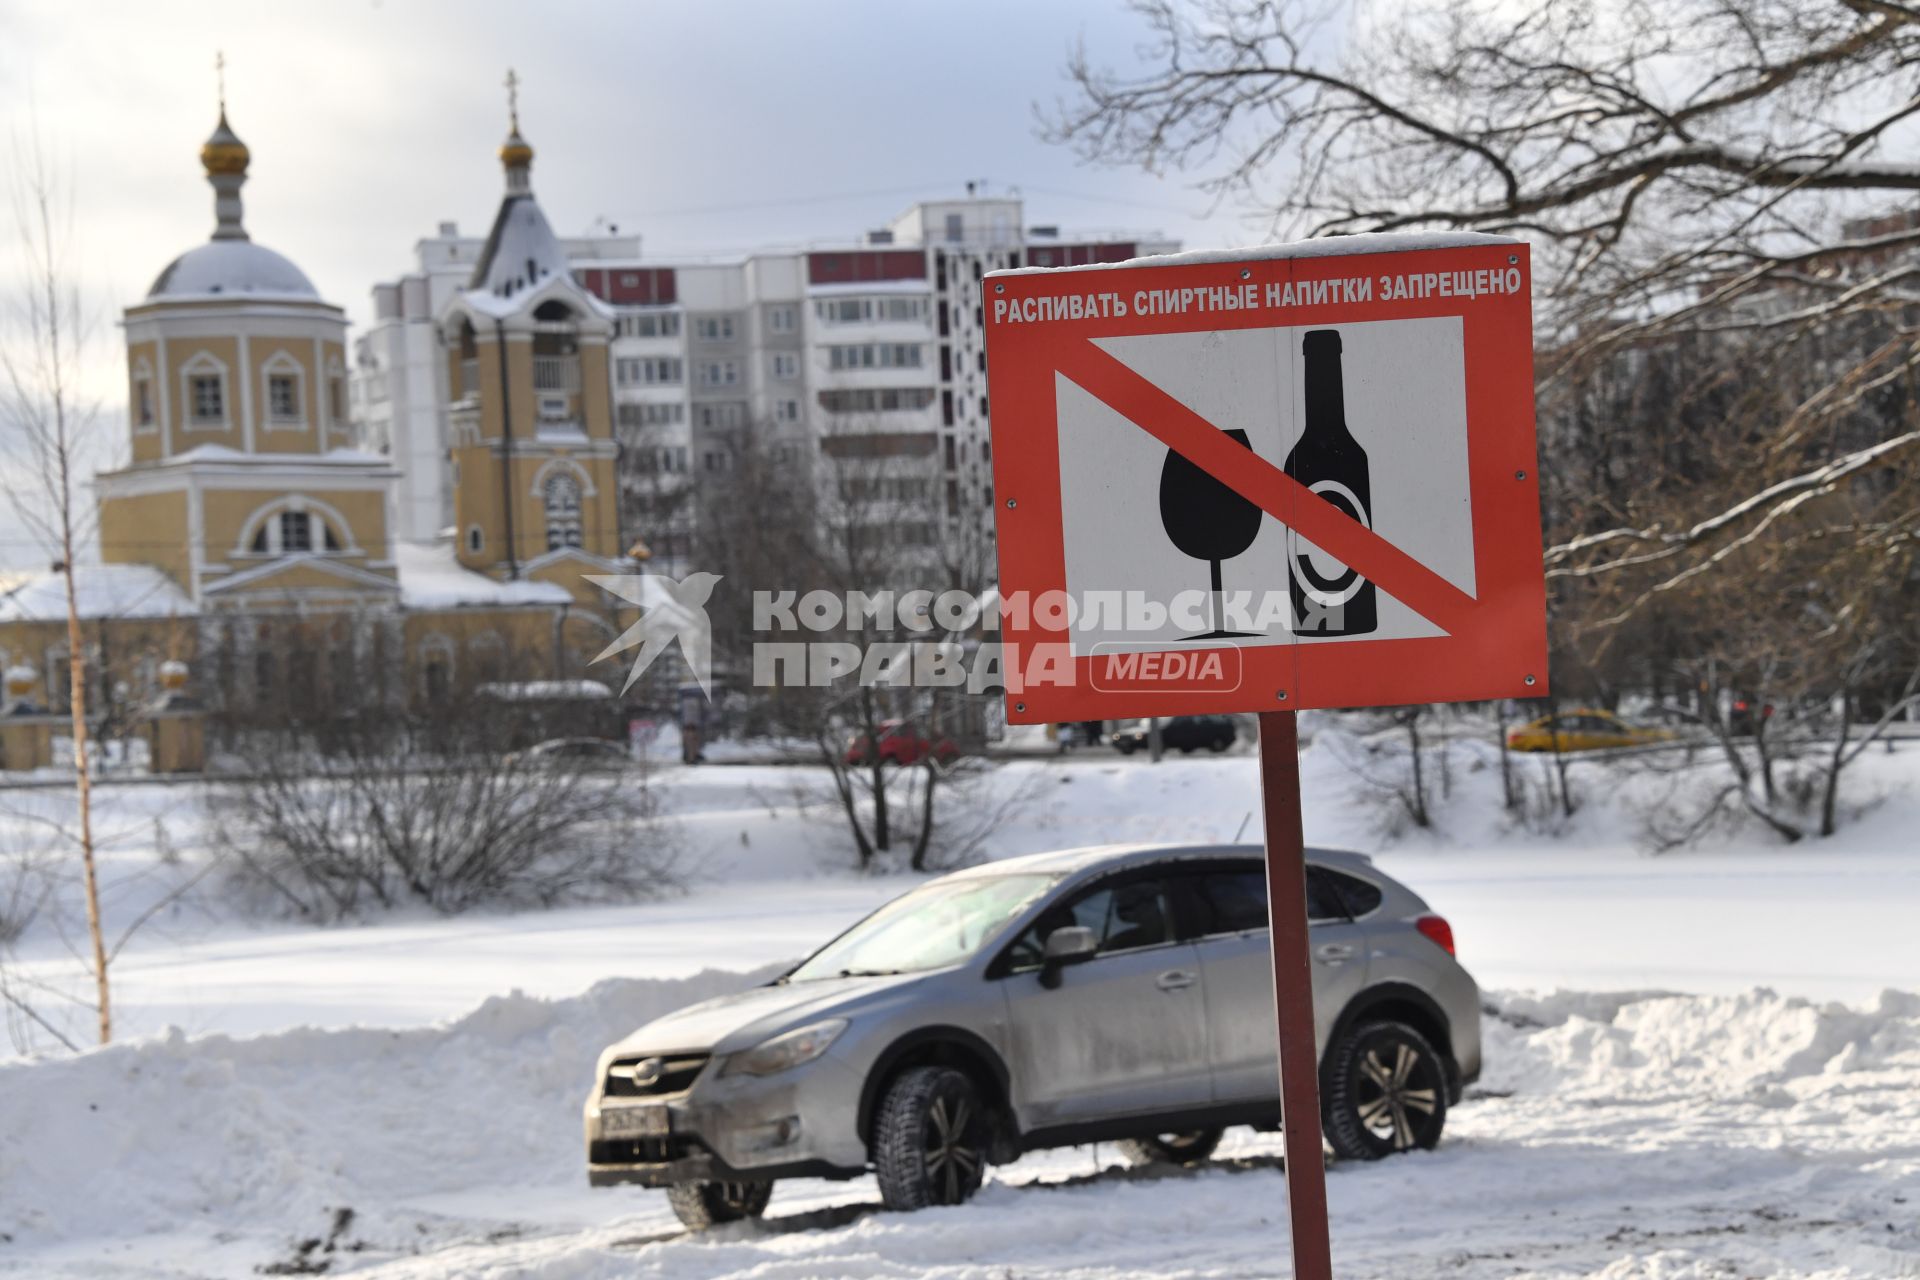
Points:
x=1584 y=730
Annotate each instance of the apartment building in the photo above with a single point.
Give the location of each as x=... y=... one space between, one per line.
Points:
x=861 y=363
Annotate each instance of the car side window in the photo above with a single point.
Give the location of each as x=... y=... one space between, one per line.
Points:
x=1357 y=896
x=1323 y=896
x=1230 y=901
x=1126 y=916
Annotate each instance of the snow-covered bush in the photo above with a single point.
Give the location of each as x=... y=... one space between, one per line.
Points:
x=378 y=811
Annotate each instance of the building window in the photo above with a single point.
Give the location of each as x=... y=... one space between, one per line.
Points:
x=781 y=319
x=956 y=229
x=719 y=373
x=296 y=531
x=648 y=324
x=337 y=400
x=786 y=365
x=292 y=531
x=641 y=372
x=876 y=355
x=476 y=540
x=207 y=394
x=875 y=399
x=786 y=410
x=562 y=497
x=714 y=328
x=283 y=398
x=142 y=395
x=886 y=309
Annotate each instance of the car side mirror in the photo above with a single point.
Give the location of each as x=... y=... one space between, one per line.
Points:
x=1069 y=944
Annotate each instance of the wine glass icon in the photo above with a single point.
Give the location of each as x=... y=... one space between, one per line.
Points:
x=1207 y=520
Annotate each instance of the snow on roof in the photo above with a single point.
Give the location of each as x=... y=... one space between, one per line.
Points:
x=226 y=453
x=431 y=578
x=232 y=268
x=101 y=591
x=1324 y=247
x=521 y=250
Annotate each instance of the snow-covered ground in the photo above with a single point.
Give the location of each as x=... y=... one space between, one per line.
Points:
x=1742 y=1129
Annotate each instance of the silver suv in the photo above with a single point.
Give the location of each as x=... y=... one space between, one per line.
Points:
x=1122 y=993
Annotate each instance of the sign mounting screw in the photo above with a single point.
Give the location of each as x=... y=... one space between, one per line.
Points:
x=999 y=288
x=1530 y=681
x=1246 y=273
x=1012 y=503
x=1519 y=475
x=1513 y=259
x=1281 y=696
x=1019 y=706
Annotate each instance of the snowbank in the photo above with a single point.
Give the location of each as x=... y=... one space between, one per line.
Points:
x=276 y=1131
x=1614 y=1136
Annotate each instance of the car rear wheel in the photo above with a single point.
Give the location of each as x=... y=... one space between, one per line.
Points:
x=1217 y=745
x=700 y=1205
x=1384 y=1091
x=930 y=1139
x=1184 y=1149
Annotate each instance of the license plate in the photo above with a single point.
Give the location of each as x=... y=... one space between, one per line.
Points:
x=635 y=1122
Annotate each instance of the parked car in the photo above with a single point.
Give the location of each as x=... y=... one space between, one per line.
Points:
x=578 y=753
x=1585 y=730
x=1120 y=994
x=901 y=742
x=1185 y=734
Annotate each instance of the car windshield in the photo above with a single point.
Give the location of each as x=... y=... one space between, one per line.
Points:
x=930 y=928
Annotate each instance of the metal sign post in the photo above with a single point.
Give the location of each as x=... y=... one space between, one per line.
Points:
x=1293 y=995
x=1337 y=440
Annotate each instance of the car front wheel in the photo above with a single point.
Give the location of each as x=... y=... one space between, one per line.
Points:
x=1184 y=1149
x=930 y=1139
x=700 y=1205
x=1384 y=1091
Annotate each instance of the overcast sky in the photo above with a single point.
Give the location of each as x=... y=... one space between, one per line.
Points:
x=708 y=128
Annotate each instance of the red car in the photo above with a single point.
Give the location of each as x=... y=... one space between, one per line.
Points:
x=900 y=743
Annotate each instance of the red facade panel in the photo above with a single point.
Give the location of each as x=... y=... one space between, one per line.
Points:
x=631 y=286
x=1079 y=255
x=859 y=266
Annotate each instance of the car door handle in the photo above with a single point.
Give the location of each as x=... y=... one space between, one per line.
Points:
x=1175 y=980
x=1333 y=953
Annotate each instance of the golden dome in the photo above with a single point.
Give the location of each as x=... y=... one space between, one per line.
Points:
x=514 y=152
x=223 y=152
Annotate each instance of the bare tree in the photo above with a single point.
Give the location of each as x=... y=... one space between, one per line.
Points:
x=1679 y=167
x=49 y=420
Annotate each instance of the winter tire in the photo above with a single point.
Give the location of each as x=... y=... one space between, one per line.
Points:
x=700 y=1205
x=1184 y=1149
x=1383 y=1090
x=1217 y=745
x=1126 y=748
x=930 y=1139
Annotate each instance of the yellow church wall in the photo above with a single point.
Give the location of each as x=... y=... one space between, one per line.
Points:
x=148 y=440
x=226 y=512
x=269 y=438
x=596 y=391
x=147 y=528
x=186 y=433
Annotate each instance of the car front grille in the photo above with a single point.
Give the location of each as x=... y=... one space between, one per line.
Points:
x=644 y=1150
x=654 y=1076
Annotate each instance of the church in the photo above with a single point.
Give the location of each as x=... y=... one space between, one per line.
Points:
x=249 y=535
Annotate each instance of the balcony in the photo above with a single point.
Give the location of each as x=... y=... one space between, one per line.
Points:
x=469 y=380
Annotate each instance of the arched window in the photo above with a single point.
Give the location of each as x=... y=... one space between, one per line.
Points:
x=292 y=531
x=562 y=497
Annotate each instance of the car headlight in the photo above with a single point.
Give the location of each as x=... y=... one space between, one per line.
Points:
x=787 y=1050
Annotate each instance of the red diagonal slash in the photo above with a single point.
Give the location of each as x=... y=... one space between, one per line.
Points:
x=1267 y=487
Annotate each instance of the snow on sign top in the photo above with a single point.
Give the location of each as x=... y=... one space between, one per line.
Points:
x=1322 y=247
x=1296 y=476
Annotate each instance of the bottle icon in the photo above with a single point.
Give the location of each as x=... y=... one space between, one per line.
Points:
x=1329 y=599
